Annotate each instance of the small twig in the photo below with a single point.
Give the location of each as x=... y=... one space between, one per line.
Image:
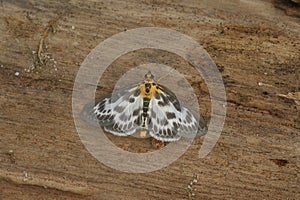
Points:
x=50 y=28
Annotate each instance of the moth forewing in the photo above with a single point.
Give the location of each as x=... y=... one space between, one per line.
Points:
x=90 y=112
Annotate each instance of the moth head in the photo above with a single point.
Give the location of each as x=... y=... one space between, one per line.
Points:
x=149 y=75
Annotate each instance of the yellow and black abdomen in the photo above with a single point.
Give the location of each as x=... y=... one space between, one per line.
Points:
x=148 y=91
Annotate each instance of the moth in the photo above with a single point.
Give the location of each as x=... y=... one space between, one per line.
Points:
x=148 y=108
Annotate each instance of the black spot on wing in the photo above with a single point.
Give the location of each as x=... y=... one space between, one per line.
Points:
x=101 y=103
x=131 y=100
x=157 y=120
x=136 y=112
x=169 y=132
x=165 y=99
x=137 y=93
x=105 y=118
x=123 y=117
x=177 y=105
x=175 y=102
x=175 y=125
x=115 y=126
x=164 y=132
x=155 y=128
x=171 y=97
x=160 y=132
x=138 y=121
x=120 y=126
x=160 y=103
x=170 y=115
x=157 y=96
x=111 y=117
x=130 y=125
x=101 y=108
x=119 y=109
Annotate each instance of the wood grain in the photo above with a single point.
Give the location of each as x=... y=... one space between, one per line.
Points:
x=256 y=48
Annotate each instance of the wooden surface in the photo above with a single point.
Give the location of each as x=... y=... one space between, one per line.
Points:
x=255 y=46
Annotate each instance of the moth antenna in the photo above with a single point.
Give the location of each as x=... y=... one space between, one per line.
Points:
x=166 y=74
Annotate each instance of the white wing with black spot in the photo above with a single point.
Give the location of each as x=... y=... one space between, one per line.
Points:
x=164 y=123
x=170 y=120
x=119 y=113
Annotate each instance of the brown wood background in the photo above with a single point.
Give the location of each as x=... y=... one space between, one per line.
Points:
x=258 y=153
